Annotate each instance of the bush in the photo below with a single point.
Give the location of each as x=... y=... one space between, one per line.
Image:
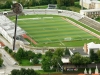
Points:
x=77 y=4
x=68 y=9
x=63 y=7
x=35 y=60
x=10 y=51
x=39 y=55
x=6 y=48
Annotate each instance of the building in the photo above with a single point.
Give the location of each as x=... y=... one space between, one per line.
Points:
x=79 y=50
x=92 y=13
x=90 y=4
x=92 y=8
x=52 y=6
x=91 y=46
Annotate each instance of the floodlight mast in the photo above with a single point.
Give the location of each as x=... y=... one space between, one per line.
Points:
x=17 y=9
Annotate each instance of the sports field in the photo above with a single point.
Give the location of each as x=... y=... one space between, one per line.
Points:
x=51 y=29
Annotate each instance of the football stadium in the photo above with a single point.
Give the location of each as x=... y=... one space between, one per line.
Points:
x=50 y=27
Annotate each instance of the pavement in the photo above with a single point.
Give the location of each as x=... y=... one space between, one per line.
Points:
x=9 y=62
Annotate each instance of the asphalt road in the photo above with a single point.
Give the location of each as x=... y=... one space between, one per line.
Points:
x=9 y=64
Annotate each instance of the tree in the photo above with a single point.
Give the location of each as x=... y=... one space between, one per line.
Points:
x=85 y=61
x=59 y=52
x=53 y=1
x=6 y=48
x=49 y=54
x=76 y=59
x=8 y=4
x=24 y=72
x=46 y=63
x=1 y=62
x=56 y=60
x=98 y=53
x=52 y=59
x=93 y=56
x=67 y=51
x=15 y=72
x=38 y=55
x=20 y=54
x=30 y=54
x=35 y=61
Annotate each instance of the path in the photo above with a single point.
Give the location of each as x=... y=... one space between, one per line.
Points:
x=26 y=36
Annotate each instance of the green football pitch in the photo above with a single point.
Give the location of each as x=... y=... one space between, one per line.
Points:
x=45 y=29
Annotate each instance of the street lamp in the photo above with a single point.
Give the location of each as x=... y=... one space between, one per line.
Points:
x=17 y=9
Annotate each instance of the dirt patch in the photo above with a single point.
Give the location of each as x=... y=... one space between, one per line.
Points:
x=29 y=38
x=2 y=44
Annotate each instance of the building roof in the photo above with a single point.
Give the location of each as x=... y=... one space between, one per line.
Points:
x=65 y=59
x=90 y=10
x=97 y=2
x=87 y=1
x=92 y=45
x=80 y=50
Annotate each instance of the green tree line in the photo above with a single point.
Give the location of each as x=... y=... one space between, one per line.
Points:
x=22 y=54
x=23 y=71
x=27 y=3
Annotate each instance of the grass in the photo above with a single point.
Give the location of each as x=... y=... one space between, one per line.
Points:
x=85 y=26
x=1 y=10
x=73 y=8
x=52 y=31
x=25 y=62
x=98 y=19
x=51 y=72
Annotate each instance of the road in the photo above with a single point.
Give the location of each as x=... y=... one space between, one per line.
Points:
x=9 y=64
x=9 y=61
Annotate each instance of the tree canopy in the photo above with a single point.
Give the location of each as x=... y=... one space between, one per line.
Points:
x=24 y=72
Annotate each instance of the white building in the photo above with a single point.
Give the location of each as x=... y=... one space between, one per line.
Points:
x=92 y=8
x=92 y=13
x=91 y=45
x=90 y=4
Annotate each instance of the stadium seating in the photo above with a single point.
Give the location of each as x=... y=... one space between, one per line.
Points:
x=66 y=13
x=90 y=22
x=7 y=28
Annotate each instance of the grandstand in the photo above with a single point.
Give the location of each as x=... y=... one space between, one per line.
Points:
x=66 y=13
x=7 y=29
x=91 y=23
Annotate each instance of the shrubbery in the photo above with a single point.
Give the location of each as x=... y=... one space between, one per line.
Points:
x=22 y=54
x=24 y=72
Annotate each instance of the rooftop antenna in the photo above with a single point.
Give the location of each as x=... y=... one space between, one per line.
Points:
x=17 y=9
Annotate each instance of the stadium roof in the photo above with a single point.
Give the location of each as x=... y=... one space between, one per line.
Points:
x=9 y=26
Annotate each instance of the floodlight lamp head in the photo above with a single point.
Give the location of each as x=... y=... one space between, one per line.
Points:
x=17 y=8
